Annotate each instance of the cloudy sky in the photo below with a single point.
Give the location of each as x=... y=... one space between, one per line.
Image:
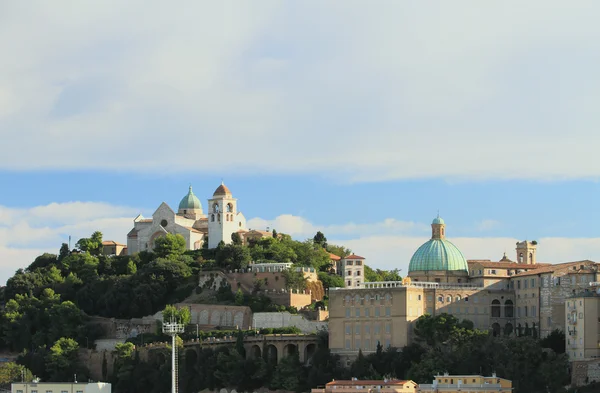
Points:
x=361 y=119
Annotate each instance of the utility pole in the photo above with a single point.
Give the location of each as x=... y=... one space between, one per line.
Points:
x=173 y=329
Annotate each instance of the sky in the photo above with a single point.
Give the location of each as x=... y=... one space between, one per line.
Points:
x=362 y=120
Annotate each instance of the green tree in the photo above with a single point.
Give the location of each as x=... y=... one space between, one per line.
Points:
x=62 y=361
x=169 y=245
x=320 y=239
x=13 y=372
x=331 y=280
x=180 y=315
x=239 y=298
x=556 y=341
x=294 y=279
x=236 y=239
x=92 y=245
x=286 y=376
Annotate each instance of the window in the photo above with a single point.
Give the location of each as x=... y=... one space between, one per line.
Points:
x=388 y=343
x=418 y=297
x=80 y=391
x=63 y=391
x=377 y=311
x=358 y=272
x=377 y=329
x=347 y=312
x=349 y=263
x=367 y=329
x=457 y=298
x=518 y=284
x=357 y=344
x=387 y=312
x=348 y=329
x=349 y=283
x=347 y=344
x=349 y=273
x=441 y=299
x=367 y=344
x=357 y=330
x=533 y=283
x=357 y=311
x=526 y=284
x=367 y=312
x=388 y=328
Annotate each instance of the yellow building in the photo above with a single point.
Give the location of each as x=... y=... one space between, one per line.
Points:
x=504 y=297
x=467 y=384
x=583 y=327
x=111 y=247
x=61 y=387
x=368 y=386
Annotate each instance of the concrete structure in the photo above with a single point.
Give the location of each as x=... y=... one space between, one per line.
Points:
x=110 y=248
x=583 y=324
x=467 y=383
x=262 y=320
x=504 y=297
x=223 y=220
x=368 y=386
x=61 y=387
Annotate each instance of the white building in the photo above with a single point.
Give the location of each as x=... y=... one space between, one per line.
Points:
x=61 y=387
x=190 y=222
x=352 y=270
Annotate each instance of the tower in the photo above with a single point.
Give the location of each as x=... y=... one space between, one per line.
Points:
x=526 y=252
x=222 y=217
x=438 y=228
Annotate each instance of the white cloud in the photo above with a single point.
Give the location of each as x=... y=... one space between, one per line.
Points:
x=487 y=225
x=27 y=233
x=361 y=92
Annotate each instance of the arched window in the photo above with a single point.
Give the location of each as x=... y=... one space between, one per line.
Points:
x=229 y=208
x=216 y=208
x=219 y=217
x=508 y=329
x=449 y=299
x=441 y=298
x=496 y=329
x=457 y=298
x=367 y=299
x=356 y=300
x=347 y=299
x=212 y=217
x=496 y=309
x=509 y=309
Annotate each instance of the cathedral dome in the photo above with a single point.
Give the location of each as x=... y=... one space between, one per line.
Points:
x=438 y=254
x=222 y=190
x=190 y=202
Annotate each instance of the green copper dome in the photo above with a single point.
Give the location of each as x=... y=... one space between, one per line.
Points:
x=190 y=201
x=438 y=220
x=438 y=254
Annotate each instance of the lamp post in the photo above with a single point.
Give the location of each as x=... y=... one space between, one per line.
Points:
x=173 y=329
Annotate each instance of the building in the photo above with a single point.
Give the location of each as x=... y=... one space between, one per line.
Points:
x=61 y=387
x=368 y=386
x=224 y=219
x=505 y=297
x=467 y=383
x=582 y=320
x=352 y=270
x=112 y=248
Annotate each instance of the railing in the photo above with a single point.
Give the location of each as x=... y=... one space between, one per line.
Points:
x=414 y=284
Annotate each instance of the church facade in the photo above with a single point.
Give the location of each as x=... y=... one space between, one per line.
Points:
x=222 y=221
x=504 y=297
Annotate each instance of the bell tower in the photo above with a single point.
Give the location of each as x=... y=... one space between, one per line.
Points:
x=526 y=252
x=222 y=216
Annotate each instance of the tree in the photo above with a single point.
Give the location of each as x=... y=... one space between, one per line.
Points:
x=64 y=252
x=13 y=372
x=286 y=376
x=180 y=315
x=62 y=360
x=169 y=245
x=331 y=280
x=294 y=279
x=320 y=239
x=236 y=239
x=92 y=245
x=239 y=298
x=556 y=341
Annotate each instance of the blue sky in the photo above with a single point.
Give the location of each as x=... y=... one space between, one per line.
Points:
x=358 y=121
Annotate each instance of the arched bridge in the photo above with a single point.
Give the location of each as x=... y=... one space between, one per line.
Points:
x=272 y=347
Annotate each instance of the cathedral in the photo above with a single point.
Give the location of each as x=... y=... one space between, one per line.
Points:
x=222 y=221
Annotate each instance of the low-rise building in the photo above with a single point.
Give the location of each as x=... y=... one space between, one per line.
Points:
x=111 y=247
x=368 y=386
x=467 y=383
x=61 y=387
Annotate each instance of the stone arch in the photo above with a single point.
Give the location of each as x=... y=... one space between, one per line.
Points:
x=309 y=351
x=228 y=319
x=290 y=349
x=238 y=319
x=496 y=329
x=509 y=309
x=203 y=318
x=255 y=352
x=271 y=354
x=495 y=308
x=508 y=329
x=215 y=318
x=155 y=236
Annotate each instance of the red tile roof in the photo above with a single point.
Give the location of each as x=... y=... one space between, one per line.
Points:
x=334 y=257
x=111 y=243
x=506 y=265
x=368 y=382
x=354 y=256
x=552 y=268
